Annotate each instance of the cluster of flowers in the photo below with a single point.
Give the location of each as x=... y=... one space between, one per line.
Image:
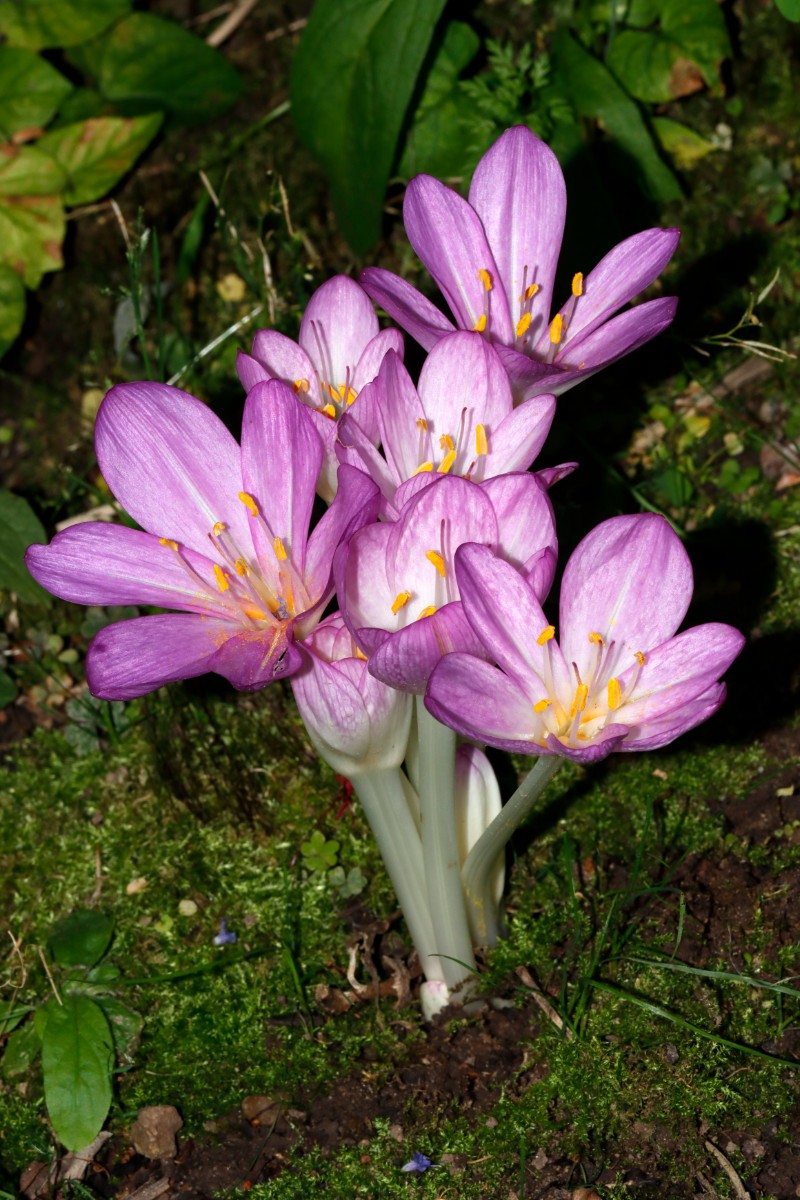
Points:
x=439 y=543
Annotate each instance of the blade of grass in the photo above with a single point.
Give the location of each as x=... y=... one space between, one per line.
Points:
x=725 y=976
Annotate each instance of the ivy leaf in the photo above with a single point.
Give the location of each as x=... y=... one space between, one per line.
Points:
x=680 y=57
x=82 y=938
x=95 y=154
x=353 y=78
x=30 y=91
x=435 y=140
x=40 y=24
x=12 y=310
x=77 y=1057
x=19 y=527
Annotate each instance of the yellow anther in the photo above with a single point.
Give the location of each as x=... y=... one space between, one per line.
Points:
x=446 y=442
x=541 y=705
x=556 y=328
x=280 y=550
x=480 y=324
x=221 y=578
x=446 y=463
x=639 y=657
x=329 y=411
x=360 y=654
x=437 y=560
x=614 y=694
x=257 y=614
x=168 y=542
x=597 y=639
x=427 y=612
x=481 y=443
x=523 y=324
x=300 y=385
x=249 y=503
x=485 y=278
x=400 y=601
x=422 y=424
x=241 y=567
x=581 y=696
x=548 y=632
x=351 y=396
x=577 y=284
x=426 y=466
x=218 y=528
x=530 y=291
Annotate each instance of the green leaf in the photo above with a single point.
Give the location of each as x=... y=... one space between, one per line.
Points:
x=30 y=91
x=77 y=1057
x=353 y=78
x=681 y=142
x=145 y=64
x=596 y=94
x=11 y=1014
x=678 y=58
x=79 y=105
x=82 y=938
x=789 y=8
x=12 y=309
x=435 y=140
x=21 y=1049
x=126 y=1025
x=95 y=154
x=19 y=527
x=25 y=171
x=8 y=692
x=38 y=24
x=31 y=235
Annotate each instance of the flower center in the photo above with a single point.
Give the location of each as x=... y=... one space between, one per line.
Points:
x=454 y=451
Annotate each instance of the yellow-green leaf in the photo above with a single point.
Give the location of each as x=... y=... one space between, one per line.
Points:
x=25 y=171
x=30 y=91
x=12 y=307
x=49 y=23
x=95 y=154
x=31 y=234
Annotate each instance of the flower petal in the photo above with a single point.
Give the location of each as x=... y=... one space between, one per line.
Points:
x=406 y=444
x=134 y=657
x=449 y=238
x=374 y=353
x=250 y=370
x=463 y=384
x=665 y=729
x=355 y=448
x=480 y=702
x=338 y=323
x=362 y=585
x=519 y=194
x=356 y=505
x=677 y=672
x=406 y=658
x=253 y=658
x=525 y=520
x=282 y=358
x=404 y=304
x=171 y=463
x=609 y=739
x=528 y=377
x=516 y=442
x=620 y=336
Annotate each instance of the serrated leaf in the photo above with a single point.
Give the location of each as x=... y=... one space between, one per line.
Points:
x=77 y=1057
x=31 y=235
x=19 y=527
x=95 y=154
x=596 y=94
x=681 y=56
x=435 y=139
x=146 y=64
x=353 y=78
x=125 y=1023
x=30 y=91
x=21 y=1049
x=82 y=938
x=40 y=24
x=682 y=143
x=12 y=308
x=789 y=9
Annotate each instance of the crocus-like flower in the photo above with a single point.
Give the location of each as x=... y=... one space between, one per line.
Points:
x=226 y=539
x=356 y=722
x=396 y=580
x=461 y=420
x=340 y=350
x=620 y=679
x=419 y=1163
x=225 y=937
x=495 y=259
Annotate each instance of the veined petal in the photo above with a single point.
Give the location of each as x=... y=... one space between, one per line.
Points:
x=480 y=702
x=519 y=194
x=97 y=563
x=365 y=593
x=630 y=581
x=548 y=476
x=665 y=729
x=281 y=459
x=463 y=384
x=404 y=304
x=528 y=377
x=609 y=739
x=517 y=440
x=355 y=448
x=134 y=657
x=338 y=324
x=449 y=238
x=374 y=353
x=356 y=504
x=282 y=358
x=406 y=658
x=253 y=658
x=525 y=520
x=171 y=463
x=401 y=420
x=615 y=338
x=250 y=370
x=332 y=709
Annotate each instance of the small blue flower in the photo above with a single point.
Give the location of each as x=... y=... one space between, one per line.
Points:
x=225 y=937
x=419 y=1163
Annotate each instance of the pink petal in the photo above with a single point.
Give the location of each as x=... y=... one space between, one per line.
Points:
x=253 y=658
x=398 y=408
x=338 y=323
x=374 y=353
x=665 y=729
x=250 y=370
x=463 y=384
x=525 y=520
x=363 y=588
x=516 y=442
x=134 y=657
x=281 y=358
x=404 y=304
x=620 y=336
x=480 y=702
x=356 y=505
x=676 y=673
x=406 y=658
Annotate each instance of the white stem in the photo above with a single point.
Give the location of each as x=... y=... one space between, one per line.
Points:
x=437 y=759
x=478 y=869
x=383 y=797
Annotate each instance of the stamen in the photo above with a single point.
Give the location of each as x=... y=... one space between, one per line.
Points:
x=360 y=654
x=480 y=324
x=640 y=657
x=596 y=639
x=434 y=557
x=581 y=696
x=523 y=324
x=329 y=410
x=422 y=424
x=556 y=326
x=548 y=632
x=426 y=466
x=614 y=694
x=400 y=601
x=530 y=291
x=446 y=463
x=218 y=528
x=168 y=542
x=481 y=443
x=541 y=705
x=446 y=442
x=485 y=279
x=223 y=582
x=577 y=284
x=427 y=612
x=249 y=503
x=241 y=567
x=280 y=550
x=300 y=385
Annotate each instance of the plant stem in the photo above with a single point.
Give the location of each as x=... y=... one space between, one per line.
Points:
x=437 y=758
x=382 y=794
x=477 y=871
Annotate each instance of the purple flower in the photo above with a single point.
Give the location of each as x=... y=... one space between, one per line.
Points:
x=460 y=420
x=419 y=1163
x=225 y=937
x=396 y=580
x=340 y=350
x=619 y=680
x=225 y=539
x=495 y=260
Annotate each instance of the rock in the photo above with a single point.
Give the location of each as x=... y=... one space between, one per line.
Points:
x=259 y=1108
x=153 y=1131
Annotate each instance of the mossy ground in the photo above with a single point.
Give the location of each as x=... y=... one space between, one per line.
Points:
x=199 y=796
